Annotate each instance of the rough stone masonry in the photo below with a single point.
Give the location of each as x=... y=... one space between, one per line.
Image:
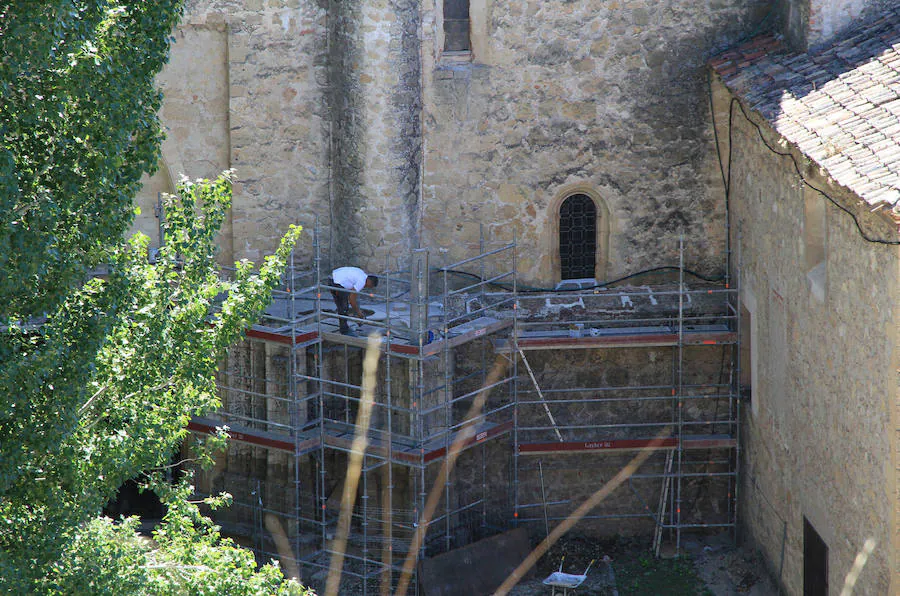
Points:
x=352 y=115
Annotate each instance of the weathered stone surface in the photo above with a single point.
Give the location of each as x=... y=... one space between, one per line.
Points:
x=374 y=101
x=349 y=112
x=609 y=95
x=821 y=440
x=195 y=120
x=245 y=89
x=810 y=23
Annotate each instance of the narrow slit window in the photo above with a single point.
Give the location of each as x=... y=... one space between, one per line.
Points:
x=815 y=226
x=456 y=26
x=578 y=237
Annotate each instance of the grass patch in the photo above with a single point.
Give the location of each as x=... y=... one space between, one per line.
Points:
x=647 y=576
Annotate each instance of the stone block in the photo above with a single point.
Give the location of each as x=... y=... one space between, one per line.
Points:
x=478 y=568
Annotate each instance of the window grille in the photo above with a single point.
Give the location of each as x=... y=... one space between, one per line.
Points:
x=578 y=237
x=456 y=26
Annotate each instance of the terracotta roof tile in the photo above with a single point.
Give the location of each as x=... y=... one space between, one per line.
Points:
x=839 y=104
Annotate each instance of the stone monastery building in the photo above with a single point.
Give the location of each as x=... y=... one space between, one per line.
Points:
x=721 y=176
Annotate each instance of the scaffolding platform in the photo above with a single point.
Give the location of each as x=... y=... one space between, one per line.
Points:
x=299 y=320
x=289 y=336
x=455 y=336
x=341 y=436
x=302 y=444
x=620 y=337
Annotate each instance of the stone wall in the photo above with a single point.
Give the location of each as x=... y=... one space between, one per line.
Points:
x=809 y=23
x=606 y=98
x=255 y=388
x=630 y=396
x=374 y=96
x=195 y=120
x=316 y=105
x=350 y=111
x=820 y=437
x=246 y=89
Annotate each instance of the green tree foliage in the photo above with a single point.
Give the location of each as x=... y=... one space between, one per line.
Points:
x=100 y=374
x=79 y=123
x=188 y=557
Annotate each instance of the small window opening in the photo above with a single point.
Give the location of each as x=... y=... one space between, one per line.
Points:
x=815 y=562
x=456 y=26
x=746 y=353
x=814 y=235
x=578 y=237
x=814 y=230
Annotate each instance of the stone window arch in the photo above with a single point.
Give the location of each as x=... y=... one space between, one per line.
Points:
x=579 y=234
x=147 y=199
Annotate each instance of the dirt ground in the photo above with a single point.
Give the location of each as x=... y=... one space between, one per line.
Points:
x=709 y=566
x=726 y=569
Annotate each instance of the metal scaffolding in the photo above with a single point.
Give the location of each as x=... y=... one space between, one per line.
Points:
x=292 y=390
x=435 y=359
x=690 y=417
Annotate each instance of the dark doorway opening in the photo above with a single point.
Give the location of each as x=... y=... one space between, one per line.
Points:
x=578 y=237
x=132 y=500
x=815 y=562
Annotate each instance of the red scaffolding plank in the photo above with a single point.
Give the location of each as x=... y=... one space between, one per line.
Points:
x=608 y=445
x=335 y=437
x=697 y=442
x=254 y=437
x=479 y=437
x=282 y=338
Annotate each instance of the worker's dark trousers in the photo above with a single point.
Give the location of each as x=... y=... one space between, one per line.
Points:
x=342 y=302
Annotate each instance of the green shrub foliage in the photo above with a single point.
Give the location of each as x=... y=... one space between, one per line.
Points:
x=99 y=374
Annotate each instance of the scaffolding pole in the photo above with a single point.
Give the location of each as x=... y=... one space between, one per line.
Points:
x=679 y=453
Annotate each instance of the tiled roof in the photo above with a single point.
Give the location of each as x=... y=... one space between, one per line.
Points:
x=840 y=105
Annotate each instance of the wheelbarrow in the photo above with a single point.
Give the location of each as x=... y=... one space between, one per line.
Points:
x=565 y=581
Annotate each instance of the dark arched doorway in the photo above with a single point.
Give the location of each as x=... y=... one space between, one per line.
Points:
x=578 y=237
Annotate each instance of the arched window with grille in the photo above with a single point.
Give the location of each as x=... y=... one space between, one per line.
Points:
x=578 y=237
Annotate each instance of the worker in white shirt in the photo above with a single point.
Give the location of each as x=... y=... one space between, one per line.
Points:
x=351 y=278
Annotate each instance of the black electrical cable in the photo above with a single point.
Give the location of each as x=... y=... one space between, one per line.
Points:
x=725 y=182
x=762 y=25
x=727 y=174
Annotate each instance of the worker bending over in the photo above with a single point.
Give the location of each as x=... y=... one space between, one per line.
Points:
x=350 y=278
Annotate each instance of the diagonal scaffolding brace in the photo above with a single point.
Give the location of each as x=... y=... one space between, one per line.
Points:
x=539 y=392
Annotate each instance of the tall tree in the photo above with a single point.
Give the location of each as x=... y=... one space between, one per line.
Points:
x=100 y=374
